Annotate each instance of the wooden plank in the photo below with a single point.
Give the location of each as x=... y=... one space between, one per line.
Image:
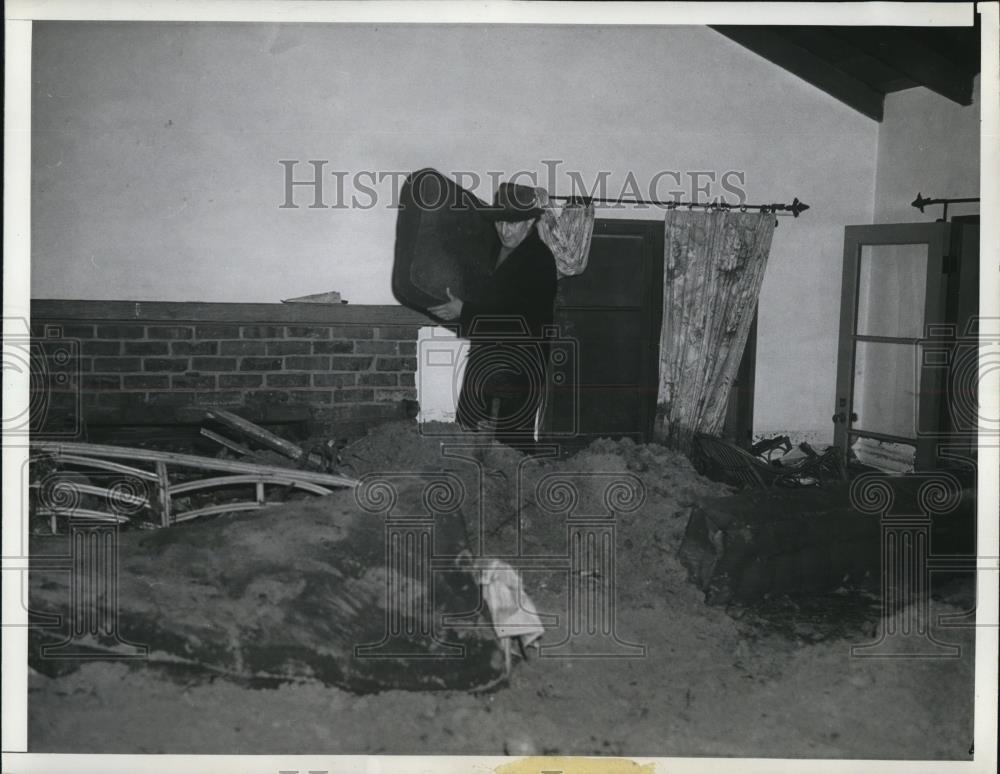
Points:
x=330 y=297
x=819 y=72
x=257 y=433
x=263 y=436
x=101 y=491
x=163 y=490
x=86 y=451
x=87 y=460
x=80 y=513
x=223 y=441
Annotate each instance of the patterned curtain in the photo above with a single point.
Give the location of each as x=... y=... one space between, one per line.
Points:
x=713 y=268
x=566 y=230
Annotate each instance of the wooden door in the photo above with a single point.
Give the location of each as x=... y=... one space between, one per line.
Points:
x=609 y=323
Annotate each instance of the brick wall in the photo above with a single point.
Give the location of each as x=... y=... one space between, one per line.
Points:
x=155 y=362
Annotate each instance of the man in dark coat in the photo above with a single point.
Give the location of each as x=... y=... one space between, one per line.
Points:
x=504 y=381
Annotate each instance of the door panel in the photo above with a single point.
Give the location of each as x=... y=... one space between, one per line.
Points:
x=885 y=400
x=608 y=353
x=610 y=316
x=614 y=273
x=892 y=284
x=611 y=386
x=893 y=293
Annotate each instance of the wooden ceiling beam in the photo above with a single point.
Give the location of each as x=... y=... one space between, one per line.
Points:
x=800 y=61
x=834 y=45
x=959 y=45
x=903 y=52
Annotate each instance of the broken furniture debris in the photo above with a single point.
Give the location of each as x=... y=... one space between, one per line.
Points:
x=153 y=487
x=766 y=447
x=252 y=431
x=721 y=460
x=885 y=455
x=264 y=437
x=180 y=426
x=232 y=446
x=767 y=542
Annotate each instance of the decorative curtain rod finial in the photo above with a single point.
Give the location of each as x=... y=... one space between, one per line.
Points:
x=922 y=201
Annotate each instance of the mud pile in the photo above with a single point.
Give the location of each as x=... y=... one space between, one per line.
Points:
x=298 y=591
x=518 y=506
x=288 y=591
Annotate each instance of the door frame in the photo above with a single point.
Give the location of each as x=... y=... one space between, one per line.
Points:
x=650 y=306
x=962 y=312
x=937 y=238
x=651 y=309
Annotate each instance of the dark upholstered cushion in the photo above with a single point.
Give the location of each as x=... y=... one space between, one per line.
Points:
x=442 y=241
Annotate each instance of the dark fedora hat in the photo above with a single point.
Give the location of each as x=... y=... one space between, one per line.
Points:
x=513 y=203
x=429 y=190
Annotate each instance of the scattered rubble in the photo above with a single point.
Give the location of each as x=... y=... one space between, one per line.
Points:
x=775 y=679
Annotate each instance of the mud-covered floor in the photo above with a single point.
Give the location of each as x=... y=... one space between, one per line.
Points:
x=779 y=681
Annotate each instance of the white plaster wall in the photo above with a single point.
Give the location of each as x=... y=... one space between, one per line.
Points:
x=156 y=149
x=926 y=144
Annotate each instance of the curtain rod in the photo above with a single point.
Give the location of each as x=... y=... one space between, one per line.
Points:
x=795 y=207
x=920 y=202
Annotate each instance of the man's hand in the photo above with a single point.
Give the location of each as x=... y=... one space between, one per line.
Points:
x=451 y=310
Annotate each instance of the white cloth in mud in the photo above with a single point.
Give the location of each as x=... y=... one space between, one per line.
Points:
x=513 y=612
